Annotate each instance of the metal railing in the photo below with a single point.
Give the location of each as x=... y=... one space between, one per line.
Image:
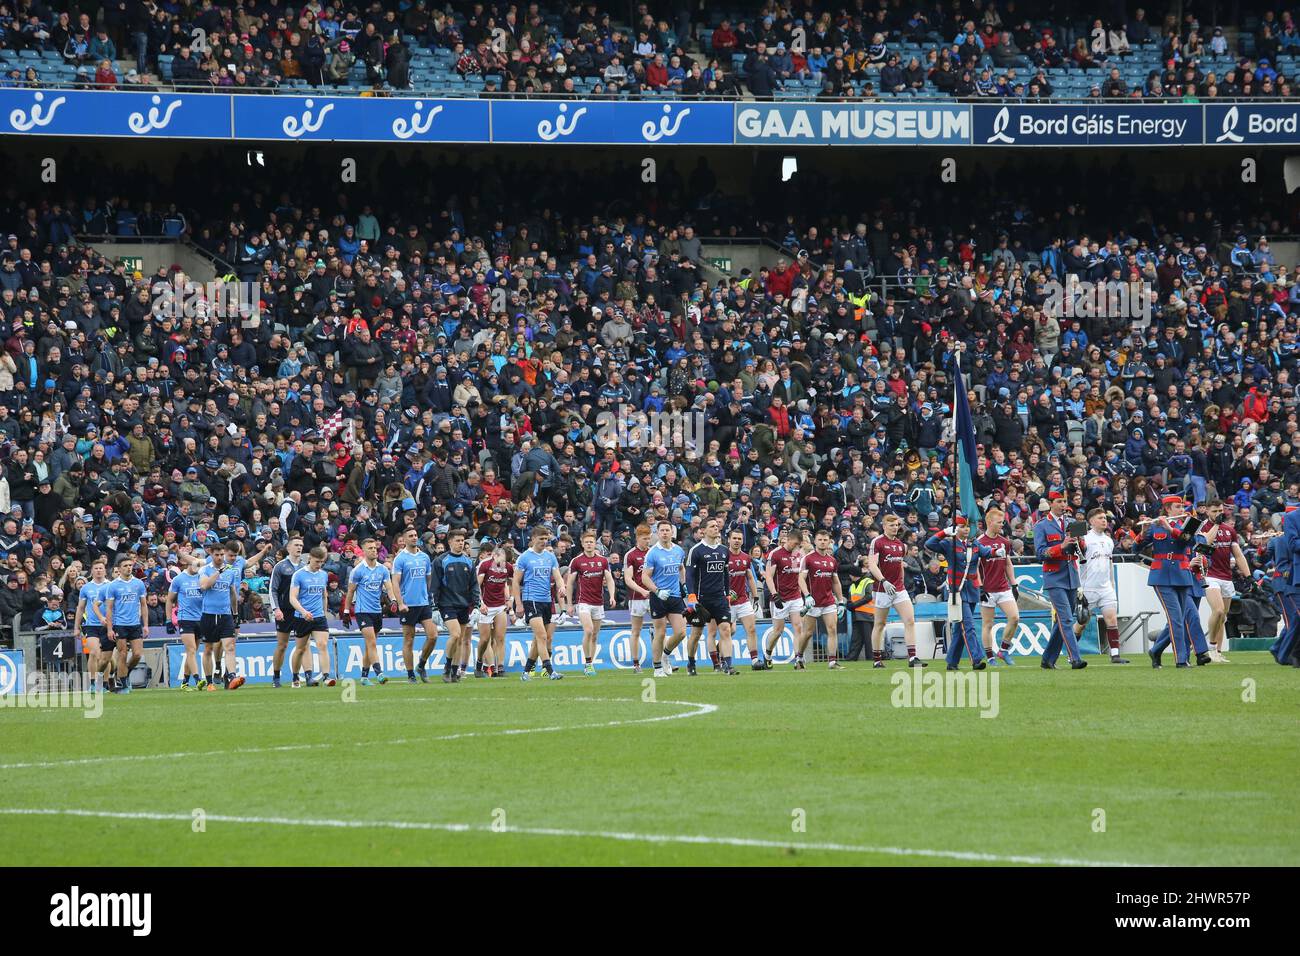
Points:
x=443 y=92
x=221 y=265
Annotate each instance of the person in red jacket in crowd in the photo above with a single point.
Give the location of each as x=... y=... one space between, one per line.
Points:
x=1254 y=407
x=724 y=40
x=656 y=73
x=493 y=490
x=781 y=279
x=779 y=412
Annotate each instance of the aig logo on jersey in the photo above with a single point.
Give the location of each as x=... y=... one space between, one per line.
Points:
x=74 y=910
x=715 y=566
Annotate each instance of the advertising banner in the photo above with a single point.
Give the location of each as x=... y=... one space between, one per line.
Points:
x=841 y=124
x=1088 y=124
x=13 y=673
x=358 y=119
x=612 y=123
x=127 y=115
x=1249 y=125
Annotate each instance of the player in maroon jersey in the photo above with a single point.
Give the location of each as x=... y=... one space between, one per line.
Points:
x=495 y=574
x=1000 y=591
x=781 y=575
x=742 y=587
x=590 y=572
x=638 y=598
x=1220 y=534
x=885 y=562
x=823 y=599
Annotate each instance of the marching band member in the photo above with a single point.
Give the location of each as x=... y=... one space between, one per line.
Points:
x=1059 y=552
x=1171 y=576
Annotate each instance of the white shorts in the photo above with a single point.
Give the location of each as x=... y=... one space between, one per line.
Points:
x=885 y=601
x=597 y=611
x=1102 y=597
x=639 y=608
x=491 y=614
x=741 y=611
x=996 y=598
x=1226 y=588
x=781 y=610
x=819 y=611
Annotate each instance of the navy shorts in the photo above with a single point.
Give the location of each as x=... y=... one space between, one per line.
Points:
x=95 y=630
x=216 y=627
x=534 y=609
x=660 y=609
x=417 y=615
x=301 y=628
x=460 y=614
x=370 y=620
x=713 y=611
x=189 y=627
x=128 y=632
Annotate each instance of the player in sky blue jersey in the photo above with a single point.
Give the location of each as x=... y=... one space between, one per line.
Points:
x=219 y=582
x=536 y=581
x=307 y=597
x=411 y=570
x=185 y=597
x=366 y=586
x=663 y=576
x=92 y=621
x=126 y=616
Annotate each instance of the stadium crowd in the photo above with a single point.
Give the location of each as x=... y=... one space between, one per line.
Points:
x=963 y=49
x=469 y=352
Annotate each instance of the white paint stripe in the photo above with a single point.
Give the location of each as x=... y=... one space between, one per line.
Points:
x=699 y=711
x=656 y=838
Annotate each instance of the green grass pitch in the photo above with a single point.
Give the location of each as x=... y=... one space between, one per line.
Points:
x=1111 y=765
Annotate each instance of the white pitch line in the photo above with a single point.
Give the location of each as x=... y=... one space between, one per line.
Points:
x=626 y=837
x=700 y=711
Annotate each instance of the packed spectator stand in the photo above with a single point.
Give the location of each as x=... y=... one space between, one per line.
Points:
x=473 y=347
x=667 y=50
x=472 y=338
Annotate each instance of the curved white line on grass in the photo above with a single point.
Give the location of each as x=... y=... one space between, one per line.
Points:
x=659 y=838
x=699 y=711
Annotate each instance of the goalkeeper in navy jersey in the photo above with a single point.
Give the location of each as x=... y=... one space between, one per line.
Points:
x=708 y=583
